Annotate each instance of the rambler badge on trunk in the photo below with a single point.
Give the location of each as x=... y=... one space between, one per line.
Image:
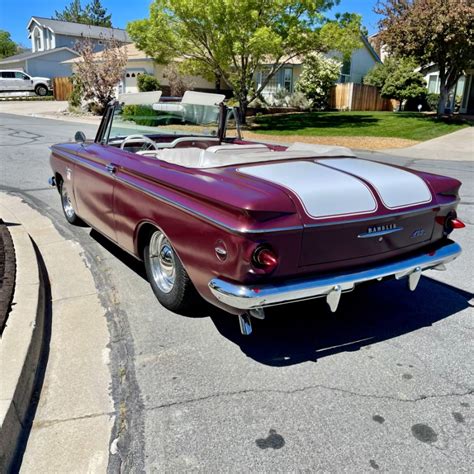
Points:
x=379 y=230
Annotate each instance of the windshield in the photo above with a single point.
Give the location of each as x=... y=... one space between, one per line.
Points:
x=170 y=118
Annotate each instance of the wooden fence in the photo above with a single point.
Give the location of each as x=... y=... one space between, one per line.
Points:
x=352 y=96
x=62 y=88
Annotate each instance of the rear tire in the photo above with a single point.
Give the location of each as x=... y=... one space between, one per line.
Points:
x=41 y=90
x=168 y=278
x=68 y=209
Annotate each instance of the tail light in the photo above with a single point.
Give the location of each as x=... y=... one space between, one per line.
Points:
x=450 y=222
x=265 y=258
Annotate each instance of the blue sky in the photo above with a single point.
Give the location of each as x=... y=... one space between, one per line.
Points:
x=15 y=14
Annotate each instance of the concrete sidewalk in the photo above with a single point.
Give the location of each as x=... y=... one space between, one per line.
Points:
x=456 y=146
x=72 y=427
x=50 y=109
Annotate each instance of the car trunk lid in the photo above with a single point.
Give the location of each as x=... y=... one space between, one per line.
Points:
x=353 y=208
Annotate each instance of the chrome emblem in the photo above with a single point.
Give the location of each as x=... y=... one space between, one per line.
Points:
x=417 y=233
x=379 y=230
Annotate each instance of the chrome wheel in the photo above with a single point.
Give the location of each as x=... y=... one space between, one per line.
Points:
x=162 y=262
x=67 y=205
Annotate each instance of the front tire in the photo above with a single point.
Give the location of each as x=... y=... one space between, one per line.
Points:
x=165 y=272
x=41 y=90
x=68 y=209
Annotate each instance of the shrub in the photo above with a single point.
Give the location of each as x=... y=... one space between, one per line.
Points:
x=147 y=83
x=299 y=101
x=177 y=82
x=397 y=79
x=139 y=114
x=432 y=100
x=280 y=98
x=318 y=75
x=75 y=98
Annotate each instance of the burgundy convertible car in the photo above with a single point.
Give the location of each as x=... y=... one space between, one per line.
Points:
x=247 y=225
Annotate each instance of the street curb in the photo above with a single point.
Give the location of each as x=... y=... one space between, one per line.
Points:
x=21 y=346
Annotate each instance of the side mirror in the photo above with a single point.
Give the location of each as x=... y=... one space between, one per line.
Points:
x=80 y=137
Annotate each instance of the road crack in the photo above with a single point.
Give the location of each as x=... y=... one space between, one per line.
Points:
x=311 y=387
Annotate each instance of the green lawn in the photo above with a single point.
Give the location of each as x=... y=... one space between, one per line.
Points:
x=409 y=125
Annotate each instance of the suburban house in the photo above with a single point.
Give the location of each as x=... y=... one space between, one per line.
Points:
x=52 y=43
x=353 y=70
x=139 y=63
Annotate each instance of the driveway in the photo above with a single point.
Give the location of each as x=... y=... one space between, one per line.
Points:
x=386 y=383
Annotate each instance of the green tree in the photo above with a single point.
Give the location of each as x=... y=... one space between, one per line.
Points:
x=231 y=40
x=318 y=75
x=147 y=83
x=97 y=14
x=7 y=46
x=431 y=31
x=92 y=14
x=397 y=79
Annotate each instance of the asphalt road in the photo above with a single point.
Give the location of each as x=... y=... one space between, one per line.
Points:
x=386 y=383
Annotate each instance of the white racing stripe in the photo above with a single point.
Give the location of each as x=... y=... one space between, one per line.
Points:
x=323 y=192
x=397 y=188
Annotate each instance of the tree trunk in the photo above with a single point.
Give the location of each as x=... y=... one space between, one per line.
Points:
x=243 y=104
x=443 y=97
x=443 y=90
x=217 y=81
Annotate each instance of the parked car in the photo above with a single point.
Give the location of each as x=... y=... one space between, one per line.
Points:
x=19 y=81
x=247 y=225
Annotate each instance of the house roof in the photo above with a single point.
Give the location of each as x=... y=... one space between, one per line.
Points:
x=79 y=29
x=370 y=48
x=133 y=54
x=31 y=55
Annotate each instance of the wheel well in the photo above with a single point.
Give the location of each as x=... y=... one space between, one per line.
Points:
x=41 y=84
x=143 y=235
x=59 y=180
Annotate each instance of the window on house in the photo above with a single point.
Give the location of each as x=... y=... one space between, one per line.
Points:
x=433 y=86
x=128 y=74
x=133 y=74
x=345 y=71
x=288 y=79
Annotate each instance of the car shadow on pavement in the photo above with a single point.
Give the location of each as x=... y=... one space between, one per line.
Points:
x=300 y=332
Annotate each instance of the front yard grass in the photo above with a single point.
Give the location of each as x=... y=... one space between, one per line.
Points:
x=404 y=125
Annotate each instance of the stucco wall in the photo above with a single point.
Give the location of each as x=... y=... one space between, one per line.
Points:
x=14 y=65
x=71 y=41
x=361 y=63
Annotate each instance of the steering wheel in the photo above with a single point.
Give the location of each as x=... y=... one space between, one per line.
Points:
x=138 y=137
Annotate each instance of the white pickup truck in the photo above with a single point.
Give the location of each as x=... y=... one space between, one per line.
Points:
x=19 y=81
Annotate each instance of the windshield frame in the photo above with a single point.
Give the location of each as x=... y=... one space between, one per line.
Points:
x=225 y=112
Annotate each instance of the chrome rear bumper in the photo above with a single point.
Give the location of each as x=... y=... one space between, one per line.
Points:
x=330 y=286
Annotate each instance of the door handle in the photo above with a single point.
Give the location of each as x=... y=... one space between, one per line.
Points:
x=111 y=168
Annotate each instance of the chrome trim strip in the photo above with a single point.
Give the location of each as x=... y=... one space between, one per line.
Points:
x=368 y=235
x=257 y=296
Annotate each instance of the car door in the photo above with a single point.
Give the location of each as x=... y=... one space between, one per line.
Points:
x=94 y=182
x=23 y=82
